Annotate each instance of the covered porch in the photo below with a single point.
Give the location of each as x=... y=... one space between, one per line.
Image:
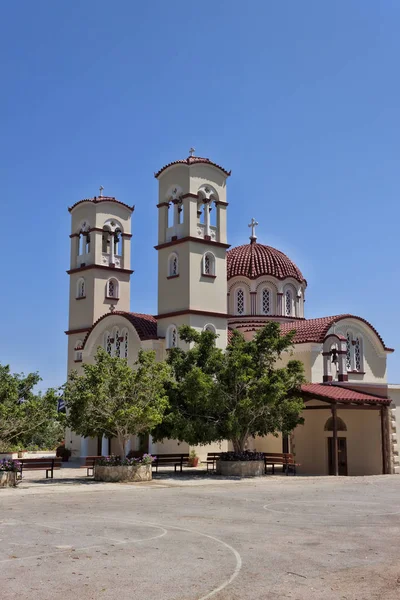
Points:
x=345 y=432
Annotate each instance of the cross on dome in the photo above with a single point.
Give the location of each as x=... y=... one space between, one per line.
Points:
x=192 y=151
x=101 y=191
x=253 y=224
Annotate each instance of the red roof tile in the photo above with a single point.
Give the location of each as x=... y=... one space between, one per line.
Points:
x=336 y=393
x=254 y=260
x=98 y=199
x=192 y=160
x=145 y=325
x=307 y=330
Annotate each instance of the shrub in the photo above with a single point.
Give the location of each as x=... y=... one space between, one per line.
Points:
x=7 y=464
x=116 y=461
x=246 y=455
x=63 y=452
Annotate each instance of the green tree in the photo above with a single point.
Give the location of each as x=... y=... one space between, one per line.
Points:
x=27 y=418
x=112 y=399
x=235 y=394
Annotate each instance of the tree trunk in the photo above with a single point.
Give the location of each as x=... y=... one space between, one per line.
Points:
x=122 y=440
x=239 y=444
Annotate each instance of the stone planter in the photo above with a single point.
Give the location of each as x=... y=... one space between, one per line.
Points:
x=123 y=473
x=240 y=468
x=8 y=479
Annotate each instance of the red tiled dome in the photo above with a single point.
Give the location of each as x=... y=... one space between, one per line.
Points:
x=254 y=260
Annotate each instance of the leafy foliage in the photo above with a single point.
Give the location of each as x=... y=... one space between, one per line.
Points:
x=243 y=456
x=112 y=399
x=117 y=461
x=27 y=419
x=7 y=464
x=235 y=394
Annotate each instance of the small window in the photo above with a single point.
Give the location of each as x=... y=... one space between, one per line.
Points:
x=126 y=345
x=118 y=242
x=112 y=289
x=209 y=264
x=106 y=239
x=117 y=351
x=266 y=302
x=81 y=288
x=357 y=354
x=349 y=351
x=288 y=303
x=172 y=337
x=78 y=351
x=107 y=343
x=173 y=265
x=240 y=302
x=210 y=327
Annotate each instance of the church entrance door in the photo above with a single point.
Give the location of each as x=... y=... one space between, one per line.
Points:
x=342 y=455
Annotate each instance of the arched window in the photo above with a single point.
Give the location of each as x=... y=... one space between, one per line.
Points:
x=209 y=264
x=172 y=337
x=210 y=327
x=81 y=288
x=349 y=351
x=173 y=265
x=125 y=344
x=78 y=351
x=341 y=425
x=117 y=344
x=117 y=242
x=106 y=239
x=240 y=302
x=107 y=343
x=112 y=289
x=266 y=302
x=358 y=355
x=288 y=303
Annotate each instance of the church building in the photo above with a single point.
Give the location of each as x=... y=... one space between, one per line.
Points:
x=349 y=421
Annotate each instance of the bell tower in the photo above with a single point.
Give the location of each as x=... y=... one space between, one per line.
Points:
x=99 y=265
x=192 y=244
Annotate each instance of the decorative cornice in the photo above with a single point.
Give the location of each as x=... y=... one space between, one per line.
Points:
x=192 y=160
x=126 y=235
x=102 y=267
x=99 y=199
x=190 y=238
x=189 y=311
x=72 y=331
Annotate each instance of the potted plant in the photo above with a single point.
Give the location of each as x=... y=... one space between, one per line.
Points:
x=9 y=470
x=193 y=459
x=63 y=452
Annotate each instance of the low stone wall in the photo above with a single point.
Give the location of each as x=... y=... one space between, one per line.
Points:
x=240 y=468
x=123 y=473
x=8 y=479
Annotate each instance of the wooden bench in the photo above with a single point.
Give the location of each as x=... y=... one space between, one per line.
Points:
x=286 y=460
x=212 y=458
x=170 y=459
x=89 y=464
x=40 y=464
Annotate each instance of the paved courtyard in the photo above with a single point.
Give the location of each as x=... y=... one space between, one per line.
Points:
x=198 y=538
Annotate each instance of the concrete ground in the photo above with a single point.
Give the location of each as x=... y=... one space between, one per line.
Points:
x=198 y=537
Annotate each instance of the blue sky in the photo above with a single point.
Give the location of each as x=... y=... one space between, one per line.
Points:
x=299 y=99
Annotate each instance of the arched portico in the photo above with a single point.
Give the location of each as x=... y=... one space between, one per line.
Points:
x=344 y=432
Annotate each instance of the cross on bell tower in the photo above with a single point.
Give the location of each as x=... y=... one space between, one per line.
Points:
x=253 y=224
